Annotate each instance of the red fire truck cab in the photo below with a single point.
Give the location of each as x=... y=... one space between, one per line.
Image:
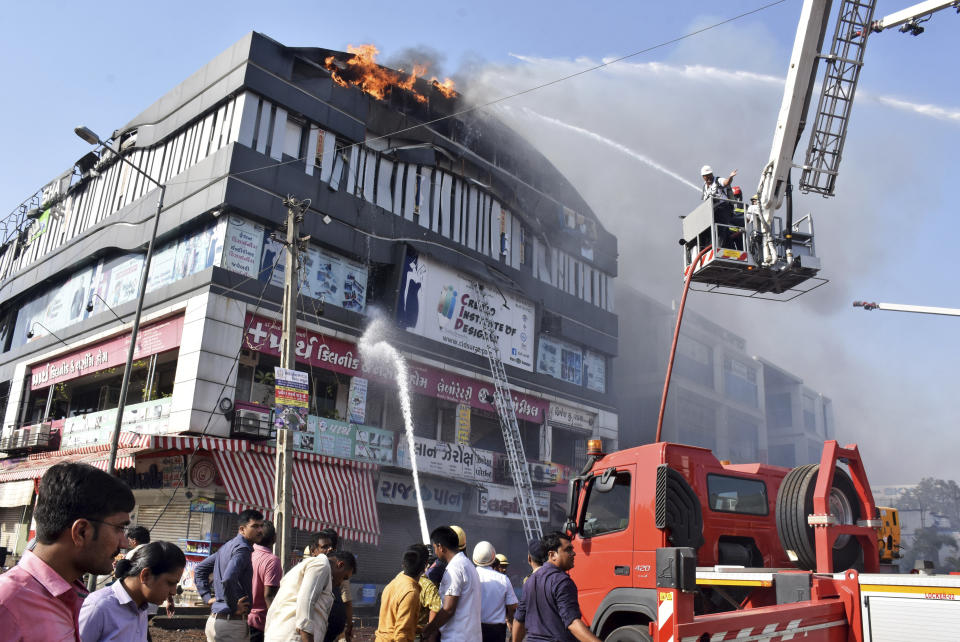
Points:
x=625 y=506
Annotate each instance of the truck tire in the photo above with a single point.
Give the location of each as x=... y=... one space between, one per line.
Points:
x=795 y=503
x=636 y=633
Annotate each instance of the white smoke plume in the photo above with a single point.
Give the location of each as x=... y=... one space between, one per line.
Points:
x=632 y=137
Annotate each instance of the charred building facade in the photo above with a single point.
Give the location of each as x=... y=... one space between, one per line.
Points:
x=409 y=204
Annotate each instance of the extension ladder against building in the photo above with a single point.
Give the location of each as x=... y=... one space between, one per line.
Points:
x=503 y=400
x=836 y=96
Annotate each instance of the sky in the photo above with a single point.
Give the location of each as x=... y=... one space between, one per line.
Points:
x=631 y=137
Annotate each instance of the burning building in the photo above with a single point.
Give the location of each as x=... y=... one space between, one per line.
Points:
x=412 y=198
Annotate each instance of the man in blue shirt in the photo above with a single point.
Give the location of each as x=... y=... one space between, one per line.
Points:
x=232 y=579
x=549 y=610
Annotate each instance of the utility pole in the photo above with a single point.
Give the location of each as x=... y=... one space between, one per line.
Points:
x=283 y=486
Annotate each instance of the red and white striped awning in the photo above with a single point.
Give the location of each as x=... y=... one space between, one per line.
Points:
x=212 y=444
x=327 y=492
x=34 y=469
x=36 y=464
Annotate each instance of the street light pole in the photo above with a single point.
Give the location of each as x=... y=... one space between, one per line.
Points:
x=90 y=137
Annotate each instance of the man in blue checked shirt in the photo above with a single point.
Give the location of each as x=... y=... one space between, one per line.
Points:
x=232 y=578
x=549 y=610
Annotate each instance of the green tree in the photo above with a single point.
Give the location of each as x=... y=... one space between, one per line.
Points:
x=926 y=545
x=933 y=496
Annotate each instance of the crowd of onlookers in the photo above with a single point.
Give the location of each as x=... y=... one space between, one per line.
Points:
x=82 y=520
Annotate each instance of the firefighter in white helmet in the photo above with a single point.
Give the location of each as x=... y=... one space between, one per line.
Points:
x=712 y=186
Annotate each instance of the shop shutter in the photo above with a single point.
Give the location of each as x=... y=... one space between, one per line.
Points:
x=10 y=519
x=172 y=524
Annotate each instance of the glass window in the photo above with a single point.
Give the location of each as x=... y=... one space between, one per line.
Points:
x=779 y=410
x=783 y=455
x=737 y=495
x=606 y=512
x=740 y=382
x=694 y=361
x=696 y=418
x=569 y=448
x=809 y=413
x=742 y=437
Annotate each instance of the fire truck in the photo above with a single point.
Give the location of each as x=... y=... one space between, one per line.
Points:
x=674 y=545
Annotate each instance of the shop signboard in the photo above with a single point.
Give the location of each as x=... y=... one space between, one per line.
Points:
x=541 y=473
x=495 y=500
x=243 y=246
x=437 y=494
x=151 y=339
x=454 y=461
x=321 y=351
x=438 y=302
x=292 y=398
x=573 y=417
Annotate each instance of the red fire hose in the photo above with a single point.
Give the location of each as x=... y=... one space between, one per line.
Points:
x=676 y=335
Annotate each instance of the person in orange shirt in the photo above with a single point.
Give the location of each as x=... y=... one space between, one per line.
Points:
x=400 y=602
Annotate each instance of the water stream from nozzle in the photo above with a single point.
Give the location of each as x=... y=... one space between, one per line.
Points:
x=614 y=144
x=376 y=350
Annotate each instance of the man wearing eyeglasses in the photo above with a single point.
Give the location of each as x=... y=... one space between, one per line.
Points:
x=82 y=514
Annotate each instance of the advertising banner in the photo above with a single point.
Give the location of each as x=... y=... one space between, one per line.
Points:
x=337 y=438
x=457 y=461
x=292 y=398
x=437 y=494
x=463 y=423
x=151 y=339
x=243 y=246
x=334 y=438
x=94 y=428
x=163 y=266
x=560 y=360
x=595 y=371
x=438 y=303
x=327 y=276
x=316 y=349
x=335 y=279
x=357 y=403
x=494 y=500
x=200 y=250
x=67 y=303
x=373 y=444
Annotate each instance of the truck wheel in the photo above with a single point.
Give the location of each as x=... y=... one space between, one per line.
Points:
x=795 y=503
x=637 y=633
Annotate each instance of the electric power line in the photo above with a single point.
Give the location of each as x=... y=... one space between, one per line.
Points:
x=219 y=396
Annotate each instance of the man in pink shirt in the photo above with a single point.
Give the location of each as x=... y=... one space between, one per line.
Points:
x=267 y=573
x=81 y=514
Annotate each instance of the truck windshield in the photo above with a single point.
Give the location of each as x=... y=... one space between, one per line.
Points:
x=606 y=512
x=737 y=495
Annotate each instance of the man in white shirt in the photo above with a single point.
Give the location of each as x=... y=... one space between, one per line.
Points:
x=497 y=598
x=300 y=609
x=459 y=618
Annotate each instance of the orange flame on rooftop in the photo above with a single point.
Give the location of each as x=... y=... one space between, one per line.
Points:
x=362 y=71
